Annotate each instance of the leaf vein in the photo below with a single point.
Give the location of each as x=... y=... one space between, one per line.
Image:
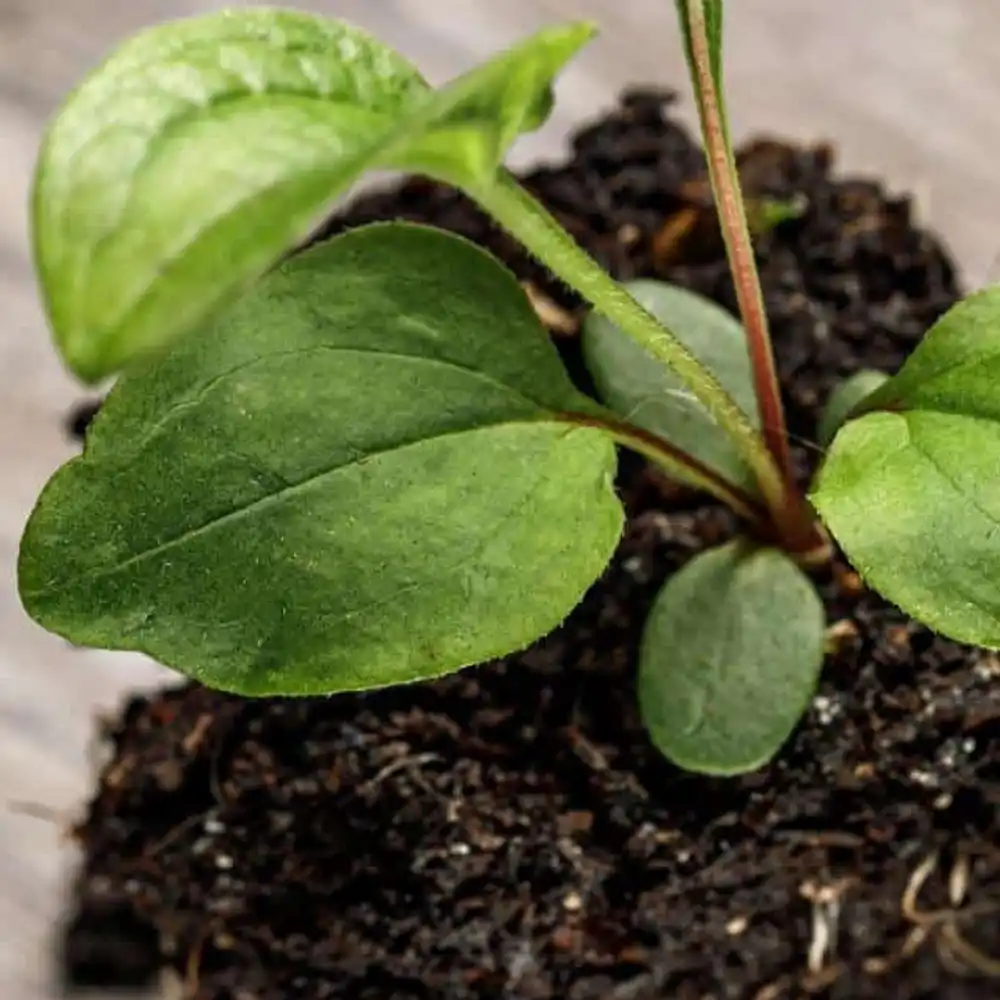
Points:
x=181 y=406
x=272 y=499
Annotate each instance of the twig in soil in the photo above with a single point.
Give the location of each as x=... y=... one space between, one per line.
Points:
x=941 y=925
x=171 y=985
x=115 y=776
x=958 y=884
x=881 y=965
x=825 y=900
x=908 y=904
x=774 y=990
x=194 y=739
x=557 y=320
x=667 y=241
x=810 y=838
x=817 y=982
x=39 y=810
x=417 y=760
x=586 y=751
x=970 y=957
x=172 y=834
x=223 y=723
x=958 y=881
x=192 y=970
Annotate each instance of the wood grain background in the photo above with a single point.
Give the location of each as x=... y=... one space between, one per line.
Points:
x=908 y=89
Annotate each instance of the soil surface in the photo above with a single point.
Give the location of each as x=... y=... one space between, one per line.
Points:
x=509 y=832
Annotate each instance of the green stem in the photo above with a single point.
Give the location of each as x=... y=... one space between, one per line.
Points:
x=677 y=464
x=735 y=231
x=532 y=225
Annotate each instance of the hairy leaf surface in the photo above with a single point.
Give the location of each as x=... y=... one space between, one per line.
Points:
x=730 y=657
x=364 y=473
x=204 y=149
x=911 y=489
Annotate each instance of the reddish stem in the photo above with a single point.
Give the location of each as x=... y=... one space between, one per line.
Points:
x=739 y=247
x=677 y=462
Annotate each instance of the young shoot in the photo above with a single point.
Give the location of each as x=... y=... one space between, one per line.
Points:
x=364 y=464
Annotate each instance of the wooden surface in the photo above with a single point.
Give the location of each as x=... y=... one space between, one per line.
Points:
x=909 y=89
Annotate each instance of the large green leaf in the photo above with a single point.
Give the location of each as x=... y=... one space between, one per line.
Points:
x=730 y=658
x=640 y=389
x=362 y=474
x=205 y=148
x=911 y=489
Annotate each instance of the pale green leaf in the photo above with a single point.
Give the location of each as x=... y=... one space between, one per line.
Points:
x=364 y=473
x=845 y=400
x=911 y=489
x=640 y=389
x=730 y=658
x=199 y=152
x=466 y=128
x=204 y=149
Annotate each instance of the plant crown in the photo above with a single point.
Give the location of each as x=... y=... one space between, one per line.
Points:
x=364 y=463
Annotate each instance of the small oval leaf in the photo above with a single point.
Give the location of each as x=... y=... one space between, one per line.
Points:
x=206 y=148
x=360 y=476
x=845 y=400
x=642 y=390
x=910 y=489
x=730 y=657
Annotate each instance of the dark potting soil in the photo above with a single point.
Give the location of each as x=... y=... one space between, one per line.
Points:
x=509 y=832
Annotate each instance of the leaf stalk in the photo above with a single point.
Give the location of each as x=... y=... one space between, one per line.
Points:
x=728 y=196
x=679 y=464
x=535 y=228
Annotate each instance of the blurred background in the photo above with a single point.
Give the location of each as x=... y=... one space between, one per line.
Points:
x=907 y=90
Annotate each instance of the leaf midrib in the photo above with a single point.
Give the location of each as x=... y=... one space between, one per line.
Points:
x=279 y=496
x=926 y=384
x=92 y=250
x=178 y=406
x=946 y=476
x=192 y=111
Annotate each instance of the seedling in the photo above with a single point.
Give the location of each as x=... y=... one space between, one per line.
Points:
x=365 y=465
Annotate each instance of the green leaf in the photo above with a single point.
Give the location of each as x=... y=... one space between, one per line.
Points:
x=911 y=489
x=185 y=165
x=362 y=474
x=206 y=148
x=643 y=391
x=466 y=128
x=730 y=657
x=845 y=400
